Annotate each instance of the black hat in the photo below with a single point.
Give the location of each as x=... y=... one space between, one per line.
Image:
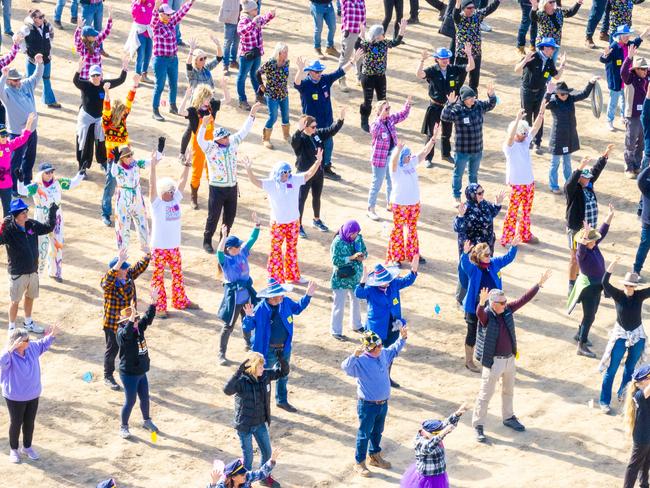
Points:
x=466 y=92
x=467 y=3
x=562 y=87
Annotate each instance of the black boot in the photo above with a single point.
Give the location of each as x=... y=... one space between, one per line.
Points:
x=365 y=114
x=156 y=115
x=207 y=245
x=247 y=339
x=223 y=344
x=393 y=384
x=173 y=109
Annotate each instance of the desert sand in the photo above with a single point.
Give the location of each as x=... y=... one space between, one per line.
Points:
x=566 y=443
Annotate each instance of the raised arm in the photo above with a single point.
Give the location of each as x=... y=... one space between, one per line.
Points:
x=426 y=149
x=185 y=173
x=419 y=72
x=300 y=73
x=519 y=67
x=513 y=132
x=153 y=190
x=539 y=120
x=248 y=165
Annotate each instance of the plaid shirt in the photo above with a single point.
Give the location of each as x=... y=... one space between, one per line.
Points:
x=468 y=123
x=384 y=136
x=430 y=453
x=164 y=35
x=201 y=76
x=591 y=207
x=120 y=295
x=353 y=15
x=250 y=32
x=9 y=57
x=93 y=56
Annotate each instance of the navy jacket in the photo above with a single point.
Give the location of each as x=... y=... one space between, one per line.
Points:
x=613 y=62
x=316 y=98
x=229 y=301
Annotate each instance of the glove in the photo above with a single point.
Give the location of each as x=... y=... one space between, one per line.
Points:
x=242 y=367
x=161 y=144
x=116 y=154
x=54 y=208
x=18 y=172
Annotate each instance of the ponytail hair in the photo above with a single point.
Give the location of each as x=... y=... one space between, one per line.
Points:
x=630 y=408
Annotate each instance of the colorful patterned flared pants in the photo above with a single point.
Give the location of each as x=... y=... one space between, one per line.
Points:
x=520 y=196
x=404 y=215
x=284 y=266
x=162 y=258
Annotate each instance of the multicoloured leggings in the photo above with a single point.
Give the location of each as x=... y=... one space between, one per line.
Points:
x=172 y=258
x=129 y=205
x=520 y=196
x=50 y=246
x=404 y=215
x=284 y=266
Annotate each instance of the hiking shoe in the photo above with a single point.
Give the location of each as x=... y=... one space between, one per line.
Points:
x=107 y=222
x=538 y=150
x=302 y=233
x=589 y=42
x=521 y=50
x=603 y=36
x=330 y=174
x=339 y=337
x=362 y=470
x=606 y=409
x=244 y=105
x=583 y=350
x=577 y=339
x=287 y=406
x=320 y=225
x=412 y=20
x=111 y=383
x=124 y=432
x=58 y=24
x=533 y=240
x=14 y=457
x=393 y=384
x=270 y=482
x=332 y=51
x=480 y=436
x=514 y=424
x=372 y=215
x=33 y=327
x=30 y=453
x=421 y=260
x=173 y=109
x=54 y=105
x=150 y=426
x=221 y=359
x=428 y=164
x=378 y=461
x=318 y=52
x=156 y=115
x=207 y=247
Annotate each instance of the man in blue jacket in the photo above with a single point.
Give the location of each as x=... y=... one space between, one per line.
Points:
x=271 y=322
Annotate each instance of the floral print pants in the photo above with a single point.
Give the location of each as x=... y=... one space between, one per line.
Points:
x=129 y=206
x=162 y=258
x=520 y=196
x=284 y=266
x=50 y=246
x=404 y=215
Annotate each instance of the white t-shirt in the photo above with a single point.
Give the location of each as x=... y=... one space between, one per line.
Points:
x=519 y=166
x=166 y=222
x=284 y=198
x=406 y=190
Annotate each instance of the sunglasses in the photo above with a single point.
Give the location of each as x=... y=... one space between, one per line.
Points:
x=285 y=172
x=202 y=58
x=480 y=192
x=95 y=76
x=313 y=126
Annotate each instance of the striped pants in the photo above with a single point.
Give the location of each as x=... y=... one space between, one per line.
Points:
x=283 y=266
x=520 y=196
x=404 y=215
x=161 y=258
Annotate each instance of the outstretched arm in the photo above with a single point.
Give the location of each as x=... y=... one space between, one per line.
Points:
x=248 y=164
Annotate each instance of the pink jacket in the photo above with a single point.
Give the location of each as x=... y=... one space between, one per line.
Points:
x=383 y=132
x=142 y=12
x=6 y=149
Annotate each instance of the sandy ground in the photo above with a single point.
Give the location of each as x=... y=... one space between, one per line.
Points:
x=566 y=442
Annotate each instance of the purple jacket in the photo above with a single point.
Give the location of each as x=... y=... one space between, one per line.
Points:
x=20 y=376
x=634 y=89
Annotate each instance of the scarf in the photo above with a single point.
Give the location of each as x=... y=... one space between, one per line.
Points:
x=348 y=229
x=47 y=184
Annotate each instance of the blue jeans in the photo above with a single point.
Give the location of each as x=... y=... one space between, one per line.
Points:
x=616 y=100
x=555 y=164
x=461 y=160
x=144 y=54
x=230 y=43
x=48 y=94
x=60 y=4
x=319 y=13
x=176 y=4
x=165 y=68
x=271 y=361
x=595 y=14
x=247 y=67
x=633 y=355
x=328 y=148
x=135 y=386
x=5 y=197
x=261 y=434
x=273 y=106
x=24 y=157
x=93 y=15
x=378 y=177
x=371 y=426
x=524 y=25
x=109 y=191
x=6 y=14
x=642 y=251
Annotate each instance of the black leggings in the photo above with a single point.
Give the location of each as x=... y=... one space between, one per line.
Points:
x=227 y=329
x=531 y=102
x=373 y=84
x=21 y=414
x=475 y=74
x=316 y=185
x=85 y=153
x=590 y=299
x=220 y=198
x=639 y=461
x=471 y=320
x=398 y=5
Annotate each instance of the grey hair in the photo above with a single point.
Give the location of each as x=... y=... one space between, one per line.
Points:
x=374 y=32
x=522 y=127
x=495 y=294
x=279 y=47
x=18 y=333
x=163 y=185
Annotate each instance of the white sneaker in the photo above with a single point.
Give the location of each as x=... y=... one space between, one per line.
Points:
x=372 y=215
x=33 y=327
x=30 y=453
x=14 y=457
x=610 y=125
x=124 y=432
x=485 y=27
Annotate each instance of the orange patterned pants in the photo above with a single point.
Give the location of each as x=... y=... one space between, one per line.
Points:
x=404 y=215
x=283 y=266
x=520 y=196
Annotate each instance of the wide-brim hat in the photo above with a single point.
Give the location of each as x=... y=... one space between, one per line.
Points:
x=622 y=30
x=315 y=66
x=16 y=206
x=562 y=87
x=220 y=133
x=113 y=262
x=547 y=42
x=382 y=275
x=14 y=74
x=125 y=152
x=631 y=279
x=592 y=235
x=639 y=62
x=274 y=289
x=641 y=373
x=442 y=53
x=125 y=314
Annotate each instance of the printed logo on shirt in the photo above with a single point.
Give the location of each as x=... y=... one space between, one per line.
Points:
x=142 y=347
x=172 y=212
x=395 y=301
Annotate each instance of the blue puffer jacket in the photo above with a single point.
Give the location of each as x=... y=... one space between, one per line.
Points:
x=473 y=273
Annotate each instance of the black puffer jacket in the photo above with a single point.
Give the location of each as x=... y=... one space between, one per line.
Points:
x=253 y=396
x=575 y=197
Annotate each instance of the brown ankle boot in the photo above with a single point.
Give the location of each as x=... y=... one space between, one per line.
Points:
x=266 y=138
x=469 y=359
x=285 y=132
x=195 y=197
x=378 y=461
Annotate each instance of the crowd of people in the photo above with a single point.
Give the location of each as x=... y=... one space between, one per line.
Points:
x=268 y=315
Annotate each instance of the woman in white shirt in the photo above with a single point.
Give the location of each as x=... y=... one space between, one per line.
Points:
x=283 y=189
x=165 y=196
x=519 y=175
x=405 y=200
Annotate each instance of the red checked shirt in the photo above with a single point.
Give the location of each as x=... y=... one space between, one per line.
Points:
x=164 y=35
x=250 y=32
x=93 y=56
x=353 y=15
x=384 y=136
x=9 y=57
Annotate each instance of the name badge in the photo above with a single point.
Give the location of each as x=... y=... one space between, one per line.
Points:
x=546 y=74
x=47 y=35
x=395 y=301
x=290 y=319
x=144 y=9
x=639 y=108
x=314 y=96
x=452 y=82
x=384 y=135
x=268 y=387
x=326 y=94
x=565 y=149
x=619 y=62
x=466 y=120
